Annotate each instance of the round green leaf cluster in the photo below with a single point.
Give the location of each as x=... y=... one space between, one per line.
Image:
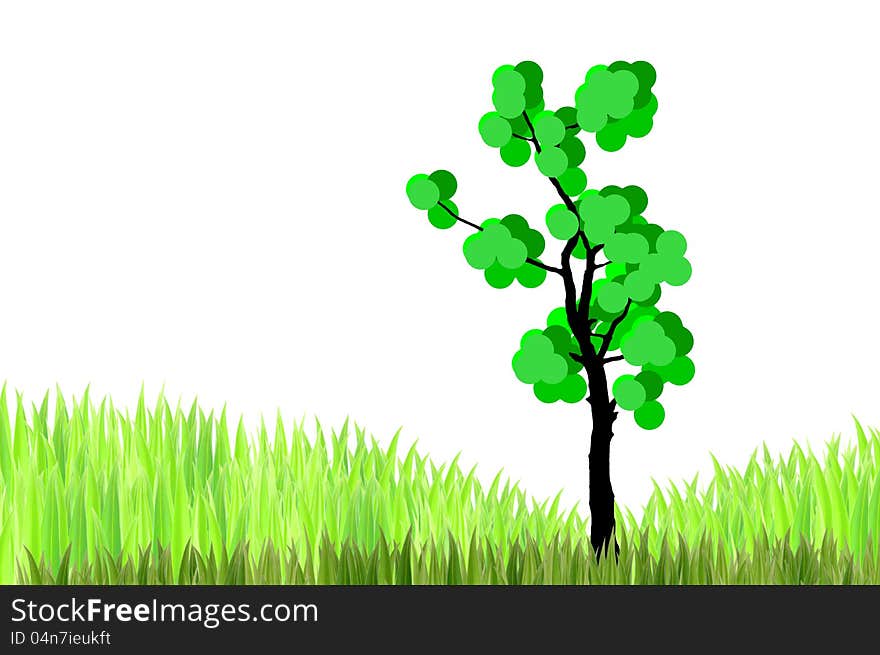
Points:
x=516 y=91
x=494 y=244
x=562 y=222
x=641 y=287
x=650 y=254
x=667 y=263
x=616 y=102
x=423 y=193
x=548 y=386
x=552 y=161
x=638 y=394
x=647 y=343
x=652 y=383
x=637 y=124
x=681 y=369
x=534 y=92
x=495 y=129
x=549 y=129
x=635 y=196
x=572 y=389
x=659 y=343
x=537 y=360
x=650 y=416
x=433 y=194
x=675 y=330
x=509 y=91
x=602 y=215
x=605 y=94
x=629 y=392
x=604 y=310
x=611 y=297
x=628 y=248
x=660 y=346
x=516 y=153
x=528 y=275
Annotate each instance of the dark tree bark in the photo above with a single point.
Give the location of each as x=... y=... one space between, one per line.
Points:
x=593 y=360
x=601 y=499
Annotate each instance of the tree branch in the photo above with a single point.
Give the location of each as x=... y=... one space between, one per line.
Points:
x=578 y=316
x=616 y=358
x=479 y=228
x=569 y=203
x=571 y=312
x=610 y=334
x=589 y=272
x=549 y=269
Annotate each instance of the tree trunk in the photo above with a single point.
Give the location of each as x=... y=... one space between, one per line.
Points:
x=601 y=494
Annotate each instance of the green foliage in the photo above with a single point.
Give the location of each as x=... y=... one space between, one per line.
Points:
x=495 y=129
x=562 y=222
x=612 y=298
x=446 y=184
x=433 y=193
x=443 y=217
x=629 y=392
x=509 y=93
x=537 y=360
x=422 y=191
x=626 y=248
x=494 y=244
x=652 y=383
x=282 y=508
x=549 y=129
x=501 y=249
x=516 y=153
x=602 y=214
x=647 y=343
x=539 y=364
x=573 y=181
x=552 y=161
x=616 y=102
x=603 y=95
x=516 y=92
x=650 y=415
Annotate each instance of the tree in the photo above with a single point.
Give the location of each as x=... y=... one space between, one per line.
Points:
x=612 y=315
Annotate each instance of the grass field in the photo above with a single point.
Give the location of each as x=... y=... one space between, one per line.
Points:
x=92 y=494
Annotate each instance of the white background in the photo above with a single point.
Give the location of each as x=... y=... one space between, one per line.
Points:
x=210 y=196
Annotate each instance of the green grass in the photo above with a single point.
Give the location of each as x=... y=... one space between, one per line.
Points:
x=95 y=495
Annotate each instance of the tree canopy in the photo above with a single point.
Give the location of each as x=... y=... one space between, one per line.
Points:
x=614 y=315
